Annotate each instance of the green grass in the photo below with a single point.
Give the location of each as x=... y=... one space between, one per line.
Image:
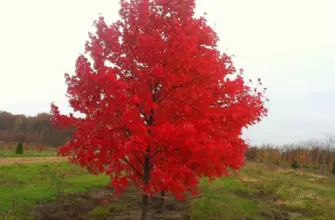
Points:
x=262 y=192
x=103 y=211
x=218 y=201
x=257 y=191
x=34 y=183
x=5 y=153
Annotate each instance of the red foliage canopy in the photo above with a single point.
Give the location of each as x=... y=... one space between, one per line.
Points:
x=162 y=106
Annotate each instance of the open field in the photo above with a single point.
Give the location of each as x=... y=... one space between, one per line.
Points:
x=258 y=191
x=30 y=160
x=32 y=152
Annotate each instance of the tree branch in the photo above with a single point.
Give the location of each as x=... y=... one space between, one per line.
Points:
x=133 y=168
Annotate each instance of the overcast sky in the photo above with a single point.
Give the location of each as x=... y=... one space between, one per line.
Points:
x=290 y=44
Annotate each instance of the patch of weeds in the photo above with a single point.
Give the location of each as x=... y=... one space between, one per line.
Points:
x=16 y=211
x=288 y=191
x=105 y=210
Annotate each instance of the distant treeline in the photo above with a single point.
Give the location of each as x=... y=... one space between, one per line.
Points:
x=313 y=154
x=28 y=129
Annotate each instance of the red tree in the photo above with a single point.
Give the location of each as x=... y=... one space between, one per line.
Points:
x=161 y=106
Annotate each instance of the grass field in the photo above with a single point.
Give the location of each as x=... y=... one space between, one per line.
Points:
x=48 y=152
x=258 y=191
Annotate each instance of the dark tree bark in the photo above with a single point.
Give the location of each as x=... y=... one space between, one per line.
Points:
x=162 y=199
x=145 y=198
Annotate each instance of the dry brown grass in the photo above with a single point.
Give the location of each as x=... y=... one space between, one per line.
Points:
x=27 y=160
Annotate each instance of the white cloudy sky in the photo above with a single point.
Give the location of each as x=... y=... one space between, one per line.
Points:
x=290 y=44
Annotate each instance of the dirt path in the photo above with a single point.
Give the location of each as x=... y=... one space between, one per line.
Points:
x=30 y=160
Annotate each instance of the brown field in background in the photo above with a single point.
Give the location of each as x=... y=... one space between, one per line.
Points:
x=30 y=160
x=317 y=155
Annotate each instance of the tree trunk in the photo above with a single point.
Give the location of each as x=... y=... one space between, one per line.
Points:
x=162 y=199
x=145 y=197
x=144 y=213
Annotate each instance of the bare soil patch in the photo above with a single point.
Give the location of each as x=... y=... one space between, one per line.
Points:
x=31 y=160
x=100 y=204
